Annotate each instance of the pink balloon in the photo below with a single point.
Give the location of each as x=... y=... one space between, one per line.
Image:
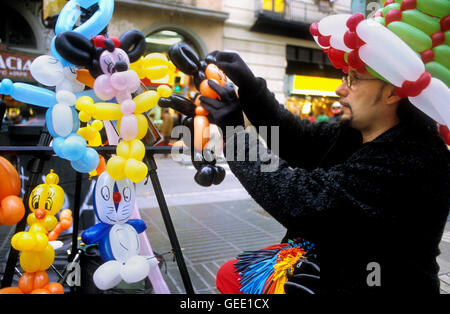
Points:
x=128 y=107
x=128 y=127
x=103 y=88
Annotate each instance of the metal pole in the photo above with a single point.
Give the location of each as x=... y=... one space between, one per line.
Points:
x=76 y=220
x=169 y=225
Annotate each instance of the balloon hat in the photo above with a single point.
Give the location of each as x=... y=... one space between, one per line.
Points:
x=405 y=43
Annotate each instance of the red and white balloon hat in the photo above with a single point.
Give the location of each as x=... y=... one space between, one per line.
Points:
x=405 y=43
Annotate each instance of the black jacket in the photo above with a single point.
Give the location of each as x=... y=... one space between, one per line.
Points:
x=384 y=201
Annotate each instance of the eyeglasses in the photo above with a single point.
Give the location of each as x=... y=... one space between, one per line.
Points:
x=348 y=79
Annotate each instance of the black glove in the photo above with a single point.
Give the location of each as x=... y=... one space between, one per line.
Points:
x=224 y=112
x=234 y=67
x=179 y=103
x=305 y=279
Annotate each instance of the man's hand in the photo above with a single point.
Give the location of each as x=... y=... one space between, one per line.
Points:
x=234 y=67
x=224 y=112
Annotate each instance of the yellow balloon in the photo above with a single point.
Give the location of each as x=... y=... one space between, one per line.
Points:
x=48 y=196
x=31 y=219
x=29 y=261
x=137 y=149
x=142 y=126
x=156 y=72
x=35 y=228
x=115 y=167
x=164 y=91
x=23 y=241
x=155 y=59
x=84 y=116
x=47 y=257
x=41 y=240
x=85 y=103
x=146 y=101
x=49 y=222
x=123 y=149
x=107 y=111
x=135 y=170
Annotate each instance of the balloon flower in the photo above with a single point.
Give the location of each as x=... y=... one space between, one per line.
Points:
x=117 y=234
x=12 y=209
x=405 y=43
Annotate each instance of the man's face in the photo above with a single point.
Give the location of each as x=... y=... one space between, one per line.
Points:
x=360 y=102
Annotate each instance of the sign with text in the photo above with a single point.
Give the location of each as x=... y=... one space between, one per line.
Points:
x=15 y=66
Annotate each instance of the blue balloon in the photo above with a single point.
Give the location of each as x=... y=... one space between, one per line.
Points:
x=88 y=162
x=74 y=147
x=70 y=14
x=57 y=145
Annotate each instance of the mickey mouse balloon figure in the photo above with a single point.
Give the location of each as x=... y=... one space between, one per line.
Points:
x=185 y=59
x=116 y=234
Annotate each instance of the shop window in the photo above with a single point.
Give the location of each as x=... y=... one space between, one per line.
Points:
x=14 y=30
x=276 y=6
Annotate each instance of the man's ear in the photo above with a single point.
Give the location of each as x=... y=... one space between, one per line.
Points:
x=391 y=95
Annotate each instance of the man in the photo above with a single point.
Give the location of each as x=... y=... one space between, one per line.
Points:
x=336 y=108
x=372 y=193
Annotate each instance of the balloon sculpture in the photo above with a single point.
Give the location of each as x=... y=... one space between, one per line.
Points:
x=12 y=209
x=203 y=159
x=406 y=43
x=54 y=71
x=108 y=60
x=116 y=234
x=37 y=253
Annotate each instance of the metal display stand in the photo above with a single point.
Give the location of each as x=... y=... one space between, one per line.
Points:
x=42 y=153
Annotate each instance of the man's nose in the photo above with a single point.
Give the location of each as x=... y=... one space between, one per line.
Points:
x=342 y=90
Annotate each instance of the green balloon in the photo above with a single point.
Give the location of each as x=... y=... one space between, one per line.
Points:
x=413 y=37
x=447 y=38
x=380 y=20
x=389 y=7
x=437 y=8
x=425 y=23
x=438 y=71
x=442 y=55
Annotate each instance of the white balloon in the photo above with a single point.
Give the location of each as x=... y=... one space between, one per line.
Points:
x=334 y=24
x=104 y=203
x=47 y=70
x=135 y=269
x=62 y=120
x=107 y=276
x=381 y=62
x=66 y=97
x=337 y=42
x=434 y=101
x=124 y=242
x=388 y=53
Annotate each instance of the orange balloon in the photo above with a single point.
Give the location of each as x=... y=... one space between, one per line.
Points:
x=201 y=132
x=213 y=72
x=31 y=281
x=83 y=76
x=40 y=291
x=66 y=223
x=200 y=111
x=12 y=210
x=65 y=214
x=207 y=91
x=9 y=179
x=55 y=288
x=101 y=165
x=11 y=290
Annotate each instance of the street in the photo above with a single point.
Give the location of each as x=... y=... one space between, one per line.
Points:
x=215 y=224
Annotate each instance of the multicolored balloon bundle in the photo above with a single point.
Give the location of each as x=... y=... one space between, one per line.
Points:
x=36 y=244
x=406 y=43
x=266 y=271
